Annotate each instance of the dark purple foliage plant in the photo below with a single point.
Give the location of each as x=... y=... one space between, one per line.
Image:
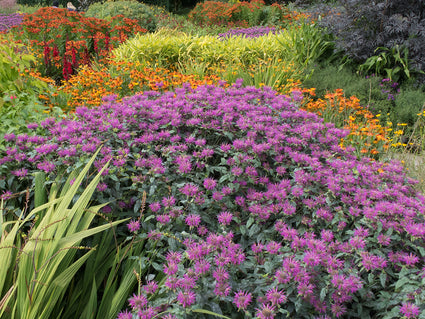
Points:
x=254 y=207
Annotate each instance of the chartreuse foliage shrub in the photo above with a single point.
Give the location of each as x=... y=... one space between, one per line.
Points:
x=36 y=272
x=299 y=45
x=253 y=207
x=130 y=9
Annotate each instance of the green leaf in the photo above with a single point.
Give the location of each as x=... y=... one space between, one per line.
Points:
x=209 y=313
x=383 y=278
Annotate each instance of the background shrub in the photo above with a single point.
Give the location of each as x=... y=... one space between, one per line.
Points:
x=129 y=9
x=7 y=7
x=361 y=26
x=241 y=14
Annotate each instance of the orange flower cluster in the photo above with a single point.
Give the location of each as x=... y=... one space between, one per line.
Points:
x=90 y=85
x=63 y=40
x=367 y=136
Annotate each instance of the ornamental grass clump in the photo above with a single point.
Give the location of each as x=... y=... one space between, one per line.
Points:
x=254 y=207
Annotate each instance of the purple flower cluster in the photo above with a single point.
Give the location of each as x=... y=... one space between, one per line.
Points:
x=255 y=198
x=8 y=21
x=253 y=32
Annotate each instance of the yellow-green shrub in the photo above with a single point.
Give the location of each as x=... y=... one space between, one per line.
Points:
x=298 y=45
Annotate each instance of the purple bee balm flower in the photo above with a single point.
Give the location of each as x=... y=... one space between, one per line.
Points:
x=125 y=315
x=209 y=183
x=155 y=207
x=133 y=226
x=186 y=298
x=189 y=190
x=147 y=313
x=338 y=310
x=138 y=302
x=266 y=311
x=222 y=289
x=168 y=201
x=202 y=266
x=193 y=220
x=20 y=172
x=46 y=166
x=150 y=287
x=276 y=297
x=242 y=299
x=273 y=247
x=32 y=126
x=225 y=218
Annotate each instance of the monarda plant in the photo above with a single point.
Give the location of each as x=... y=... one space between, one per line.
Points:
x=254 y=208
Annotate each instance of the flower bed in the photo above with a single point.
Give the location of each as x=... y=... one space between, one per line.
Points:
x=252 y=207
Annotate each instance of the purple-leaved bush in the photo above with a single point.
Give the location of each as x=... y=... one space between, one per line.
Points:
x=253 y=205
x=253 y=32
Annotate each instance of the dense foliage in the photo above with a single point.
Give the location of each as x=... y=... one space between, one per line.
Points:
x=361 y=27
x=241 y=14
x=251 y=195
x=130 y=9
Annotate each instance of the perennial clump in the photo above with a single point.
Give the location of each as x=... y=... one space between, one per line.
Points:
x=254 y=205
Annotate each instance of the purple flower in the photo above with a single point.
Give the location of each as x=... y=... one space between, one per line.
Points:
x=168 y=201
x=266 y=311
x=133 y=226
x=222 y=289
x=338 y=309
x=20 y=172
x=225 y=218
x=155 y=207
x=150 y=287
x=209 y=183
x=46 y=166
x=147 y=313
x=242 y=299
x=189 y=190
x=138 y=302
x=125 y=315
x=32 y=126
x=276 y=297
x=273 y=247
x=202 y=266
x=186 y=298
x=101 y=187
x=193 y=220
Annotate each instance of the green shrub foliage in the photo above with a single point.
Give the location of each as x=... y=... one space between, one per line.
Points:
x=129 y=9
